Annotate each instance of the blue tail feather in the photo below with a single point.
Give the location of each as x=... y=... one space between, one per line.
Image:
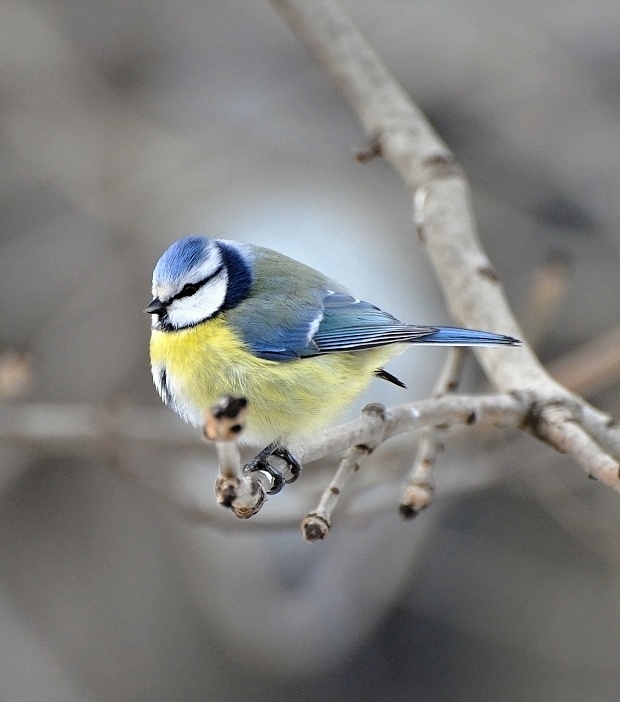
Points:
x=454 y=336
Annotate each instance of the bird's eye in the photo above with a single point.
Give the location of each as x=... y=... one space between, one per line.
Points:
x=187 y=290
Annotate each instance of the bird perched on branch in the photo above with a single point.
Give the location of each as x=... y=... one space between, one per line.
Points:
x=230 y=318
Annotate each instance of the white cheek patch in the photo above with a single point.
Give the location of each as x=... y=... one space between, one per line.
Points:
x=203 y=304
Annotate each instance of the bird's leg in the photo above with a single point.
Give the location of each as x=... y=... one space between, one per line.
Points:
x=261 y=462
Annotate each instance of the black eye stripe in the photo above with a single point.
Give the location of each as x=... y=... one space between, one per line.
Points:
x=192 y=288
x=187 y=290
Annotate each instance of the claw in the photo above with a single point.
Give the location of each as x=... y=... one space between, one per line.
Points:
x=293 y=464
x=277 y=479
x=261 y=462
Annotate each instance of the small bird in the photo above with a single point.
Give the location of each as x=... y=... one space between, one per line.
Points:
x=230 y=318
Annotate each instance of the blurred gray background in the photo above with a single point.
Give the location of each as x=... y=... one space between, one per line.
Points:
x=124 y=125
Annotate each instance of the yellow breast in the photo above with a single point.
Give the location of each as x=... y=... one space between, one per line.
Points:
x=200 y=364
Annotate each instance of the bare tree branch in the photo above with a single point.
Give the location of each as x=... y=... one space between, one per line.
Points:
x=444 y=220
x=528 y=398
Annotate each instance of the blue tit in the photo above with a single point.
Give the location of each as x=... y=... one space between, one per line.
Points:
x=230 y=318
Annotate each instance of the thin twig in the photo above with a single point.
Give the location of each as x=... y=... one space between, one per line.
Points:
x=420 y=487
x=244 y=494
x=317 y=524
x=568 y=437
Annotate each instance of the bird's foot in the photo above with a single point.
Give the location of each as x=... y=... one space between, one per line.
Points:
x=261 y=462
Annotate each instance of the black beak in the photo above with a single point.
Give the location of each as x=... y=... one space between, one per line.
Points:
x=155 y=306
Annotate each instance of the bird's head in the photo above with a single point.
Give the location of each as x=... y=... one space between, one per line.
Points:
x=195 y=279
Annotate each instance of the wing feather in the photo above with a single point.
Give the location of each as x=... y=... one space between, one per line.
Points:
x=296 y=312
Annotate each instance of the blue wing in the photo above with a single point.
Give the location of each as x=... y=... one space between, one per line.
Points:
x=349 y=324
x=284 y=340
x=287 y=329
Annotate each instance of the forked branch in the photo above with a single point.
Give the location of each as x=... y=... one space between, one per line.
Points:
x=442 y=213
